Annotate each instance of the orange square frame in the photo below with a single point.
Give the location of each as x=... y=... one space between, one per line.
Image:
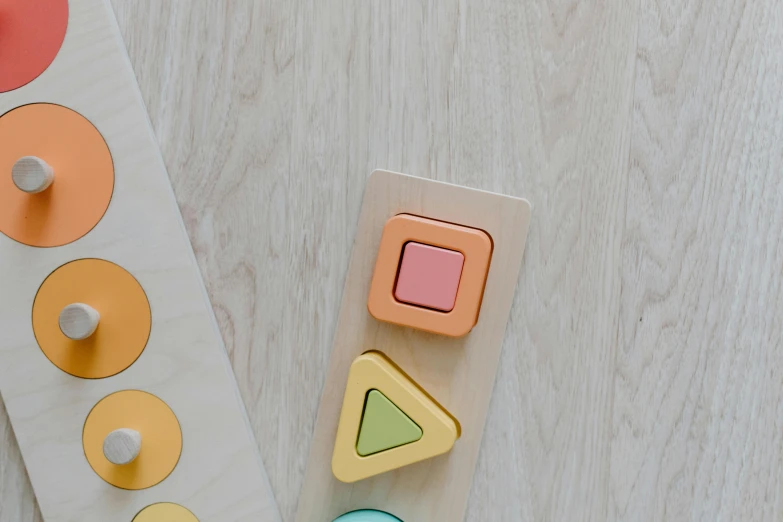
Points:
x=474 y=244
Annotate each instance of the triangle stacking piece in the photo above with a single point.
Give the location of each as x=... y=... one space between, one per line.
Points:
x=384 y=426
x=374 y=435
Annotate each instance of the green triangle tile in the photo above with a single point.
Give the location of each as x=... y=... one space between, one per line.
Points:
x=384 y=426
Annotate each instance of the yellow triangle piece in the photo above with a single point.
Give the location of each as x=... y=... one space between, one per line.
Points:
x=374 y=371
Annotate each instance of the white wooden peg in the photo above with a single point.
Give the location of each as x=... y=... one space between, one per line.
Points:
x=122 y=446
x=32 y=174
x=78 y=321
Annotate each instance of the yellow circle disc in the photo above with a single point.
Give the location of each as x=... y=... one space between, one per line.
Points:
x=123 y=328
x=161 y=438
x=165 y=512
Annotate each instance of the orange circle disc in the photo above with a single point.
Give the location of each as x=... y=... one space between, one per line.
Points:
x=123 y=328
x=161 y=438
x=83 y=175
x=31 y=34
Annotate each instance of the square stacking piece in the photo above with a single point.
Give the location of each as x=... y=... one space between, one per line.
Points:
x=429 y=276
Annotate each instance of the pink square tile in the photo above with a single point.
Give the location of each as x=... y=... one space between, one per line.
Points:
x=429 y=276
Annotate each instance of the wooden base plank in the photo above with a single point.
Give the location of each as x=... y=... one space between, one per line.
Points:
x=458 y=372
x=219 y=476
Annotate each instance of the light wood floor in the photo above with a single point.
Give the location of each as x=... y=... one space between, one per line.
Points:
x=642 y=372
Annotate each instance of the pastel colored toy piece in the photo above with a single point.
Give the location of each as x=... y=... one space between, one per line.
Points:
x=429 y=276
x=113 y=293
x=366 y=515
x=374 y=371
x=158 y=427
x=165 y=512
x=42 y=137
x=460 y=373
x=220 y=475
x=384 y=426
x=398 y=233
x=31 y=34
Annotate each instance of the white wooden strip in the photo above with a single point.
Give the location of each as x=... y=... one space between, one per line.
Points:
x=220 y=476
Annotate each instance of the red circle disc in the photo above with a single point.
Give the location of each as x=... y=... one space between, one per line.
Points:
x=31 y=33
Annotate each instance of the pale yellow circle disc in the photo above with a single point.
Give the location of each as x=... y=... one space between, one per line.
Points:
x=165 y=512
x=161 y=438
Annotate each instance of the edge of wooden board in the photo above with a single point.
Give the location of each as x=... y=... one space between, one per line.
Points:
x=438 y=488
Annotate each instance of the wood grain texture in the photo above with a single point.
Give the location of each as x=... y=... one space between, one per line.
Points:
x=640 y=377
x=78 y=321
x=121 y=446
x=32 y=175
x=698 y=394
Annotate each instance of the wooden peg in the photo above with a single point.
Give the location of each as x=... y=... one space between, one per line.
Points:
x=122 y=446
x=78 y=321
x=32 y=174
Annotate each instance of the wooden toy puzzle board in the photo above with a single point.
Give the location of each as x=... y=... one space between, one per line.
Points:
x=458 y=372
x=219 y=476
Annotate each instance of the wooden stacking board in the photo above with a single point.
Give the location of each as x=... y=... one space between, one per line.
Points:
x=220 y=476
x=458 y=372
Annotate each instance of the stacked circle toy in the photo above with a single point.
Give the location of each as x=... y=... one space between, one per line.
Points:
x=113 y=373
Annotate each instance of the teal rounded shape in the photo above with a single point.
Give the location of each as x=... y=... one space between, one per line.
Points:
x=367 y=515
